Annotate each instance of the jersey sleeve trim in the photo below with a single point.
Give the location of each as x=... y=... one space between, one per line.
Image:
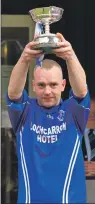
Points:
x=17 y=104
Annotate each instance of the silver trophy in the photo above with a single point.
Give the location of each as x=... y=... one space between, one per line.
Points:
x=44 y=17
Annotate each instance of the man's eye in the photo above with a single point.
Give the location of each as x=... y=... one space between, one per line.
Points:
x=53 y=84
x=41 y=85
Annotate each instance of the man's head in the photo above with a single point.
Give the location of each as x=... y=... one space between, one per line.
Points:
x=48 y=83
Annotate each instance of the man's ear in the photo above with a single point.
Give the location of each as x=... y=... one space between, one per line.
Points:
x=63 y=84
x=33 y=85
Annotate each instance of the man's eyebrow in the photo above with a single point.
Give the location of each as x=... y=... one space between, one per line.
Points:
x=41 y=83
x=50 y=83
x=53 y=82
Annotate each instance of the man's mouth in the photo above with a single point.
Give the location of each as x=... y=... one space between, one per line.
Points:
x=48 y=98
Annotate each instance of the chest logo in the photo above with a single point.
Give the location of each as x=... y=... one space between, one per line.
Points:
x=61 y=115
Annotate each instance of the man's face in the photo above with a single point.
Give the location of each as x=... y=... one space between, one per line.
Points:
x=48 y=85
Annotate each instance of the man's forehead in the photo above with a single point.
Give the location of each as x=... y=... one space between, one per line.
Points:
x=41 y=71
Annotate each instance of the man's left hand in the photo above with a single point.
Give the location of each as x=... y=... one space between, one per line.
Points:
x=65 y=50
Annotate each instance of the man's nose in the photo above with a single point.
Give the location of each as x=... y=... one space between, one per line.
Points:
x=47 y=90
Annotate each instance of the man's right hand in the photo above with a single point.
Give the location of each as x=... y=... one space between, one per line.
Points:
x=29 y=53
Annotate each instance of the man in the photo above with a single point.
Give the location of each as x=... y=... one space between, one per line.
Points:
x=49 y=131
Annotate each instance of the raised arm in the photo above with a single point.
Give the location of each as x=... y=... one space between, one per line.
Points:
x=20 y=70
x=76 y=72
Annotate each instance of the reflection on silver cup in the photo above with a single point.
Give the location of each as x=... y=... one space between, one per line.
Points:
x=44 y=17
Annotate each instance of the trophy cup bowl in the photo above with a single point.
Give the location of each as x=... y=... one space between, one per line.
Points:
x=46 y=16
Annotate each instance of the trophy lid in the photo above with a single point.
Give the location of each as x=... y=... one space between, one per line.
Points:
x=52 y=13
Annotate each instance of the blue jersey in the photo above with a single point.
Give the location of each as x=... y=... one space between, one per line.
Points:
x=50 y=160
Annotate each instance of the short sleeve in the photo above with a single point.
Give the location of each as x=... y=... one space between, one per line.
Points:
x=80 y=108
x=17 y=110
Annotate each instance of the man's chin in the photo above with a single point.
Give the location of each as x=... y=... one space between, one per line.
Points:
x=48 y=105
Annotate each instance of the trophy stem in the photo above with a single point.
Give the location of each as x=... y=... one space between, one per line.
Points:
x=47 y=27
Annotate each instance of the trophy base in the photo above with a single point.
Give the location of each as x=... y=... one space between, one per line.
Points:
x=46 y=43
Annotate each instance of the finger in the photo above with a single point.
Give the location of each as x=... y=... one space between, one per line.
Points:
x=31 y=44
x=32 y=52
x=60 y=36
x=62 y=49
x=30 y=57
x=64 y=55
x=63 y=44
